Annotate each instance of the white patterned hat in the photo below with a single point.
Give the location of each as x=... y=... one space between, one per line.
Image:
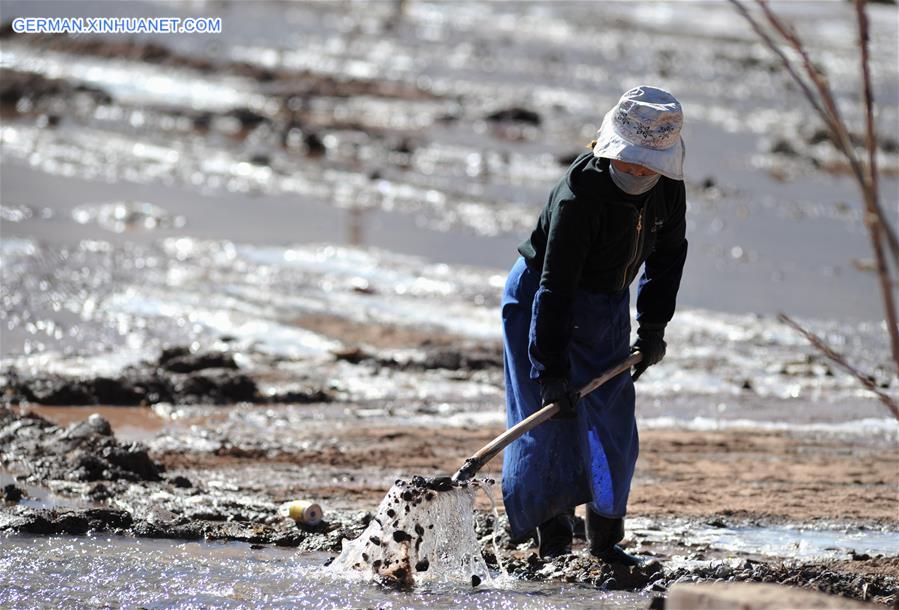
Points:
x=644 y=128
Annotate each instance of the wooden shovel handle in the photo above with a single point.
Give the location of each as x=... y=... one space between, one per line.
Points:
x=489 y=451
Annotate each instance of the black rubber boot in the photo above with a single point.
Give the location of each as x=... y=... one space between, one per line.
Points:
x=603 y=536
x=618 y=556
x=555 y=535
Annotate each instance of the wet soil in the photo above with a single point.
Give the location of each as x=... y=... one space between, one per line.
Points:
x=19 y=90
x=86 y=451
x=232 y=492
x=768 y=476
x=177 y=376
x=378 y=336
x=824 y=577
x=765 y=476
x=85 y=462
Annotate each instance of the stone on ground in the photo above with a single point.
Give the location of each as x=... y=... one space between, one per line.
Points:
x=752 y=596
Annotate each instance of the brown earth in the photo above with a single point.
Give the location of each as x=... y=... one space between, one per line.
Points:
x=383 y=336
x=738 y=474
x=888 y=566
x=732 y=477
x=764 y=474
x=742 y=474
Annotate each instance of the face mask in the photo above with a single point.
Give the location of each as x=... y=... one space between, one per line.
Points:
x=632 y=185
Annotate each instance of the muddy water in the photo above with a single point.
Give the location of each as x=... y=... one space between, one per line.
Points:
x=787 y=541
x=84 y=572
x=425 y=171
x=129 y=423
x=220 y=205
x=92 y=571
x=40 y=497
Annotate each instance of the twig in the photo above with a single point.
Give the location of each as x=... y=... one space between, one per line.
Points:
x=823 y=103
x=832 y=117
x=880 y=226
x=866 y=93
x=837 y=125
x=870 y=131
x=828 y=351
x=788 y=65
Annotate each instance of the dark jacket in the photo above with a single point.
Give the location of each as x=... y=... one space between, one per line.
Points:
x=592 y=236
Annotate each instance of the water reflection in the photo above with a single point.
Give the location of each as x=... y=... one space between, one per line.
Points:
x=113 y=571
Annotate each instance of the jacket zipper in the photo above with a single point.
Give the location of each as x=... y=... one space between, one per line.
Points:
x=638 y=242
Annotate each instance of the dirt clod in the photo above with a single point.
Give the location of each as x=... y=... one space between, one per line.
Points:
x=177 y=376
x=86 y=451
x=12 y=494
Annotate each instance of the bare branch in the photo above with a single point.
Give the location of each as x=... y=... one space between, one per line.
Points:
x=886 y=290
x=870 y=131
x=788 y=65
x=826 y=107
x=838 y=359
x=836 y=124
x=866 y=93
x=875 y=220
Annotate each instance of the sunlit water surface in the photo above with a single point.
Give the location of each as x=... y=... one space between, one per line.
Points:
x=81 y=572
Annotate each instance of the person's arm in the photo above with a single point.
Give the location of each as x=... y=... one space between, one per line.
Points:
x=657 y=290
x=568 y=241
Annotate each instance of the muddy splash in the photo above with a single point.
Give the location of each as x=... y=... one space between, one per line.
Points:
x=423 y=531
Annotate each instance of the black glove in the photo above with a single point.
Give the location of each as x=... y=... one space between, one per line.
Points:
x=651 y=343
x=558 y=390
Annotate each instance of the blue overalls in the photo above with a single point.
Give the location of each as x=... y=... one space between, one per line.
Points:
x=563 y=463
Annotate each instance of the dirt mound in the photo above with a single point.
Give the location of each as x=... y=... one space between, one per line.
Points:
x=824 y=576
x=467 y=358
x=86 y=451
x=325 y=537
x=178 y=376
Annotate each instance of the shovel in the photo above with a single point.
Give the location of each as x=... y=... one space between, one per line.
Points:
x=473 y=464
